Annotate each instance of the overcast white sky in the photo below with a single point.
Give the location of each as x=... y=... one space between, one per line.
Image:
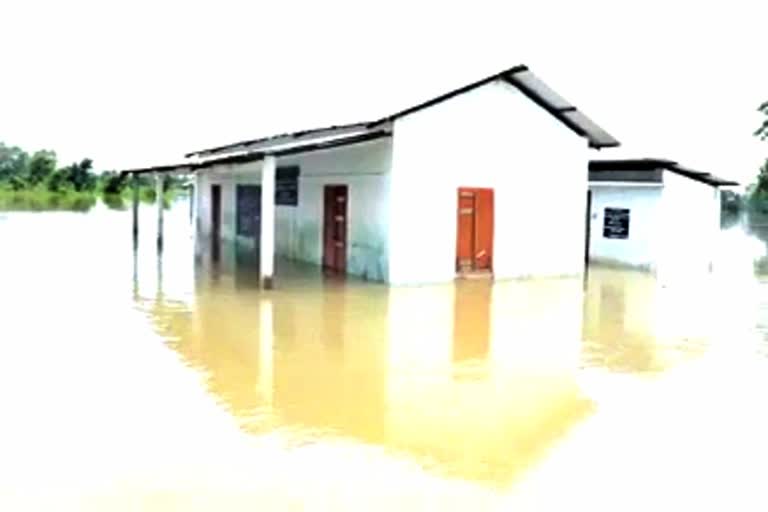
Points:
x=142 y=82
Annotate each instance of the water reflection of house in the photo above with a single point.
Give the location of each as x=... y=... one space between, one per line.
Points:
x=514 y=400
x=634 y=324
x=351 y=197
x=396 y=368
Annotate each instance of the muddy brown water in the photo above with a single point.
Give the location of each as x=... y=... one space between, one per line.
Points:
x=132 y=382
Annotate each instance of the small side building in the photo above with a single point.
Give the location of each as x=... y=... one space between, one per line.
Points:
x=653 y=215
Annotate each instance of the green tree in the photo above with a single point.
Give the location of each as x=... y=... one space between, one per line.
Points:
x=757 y=192
x=13 y=163
x=40 y=167
x=79 y=175
x=762 y=131
x=58 y=181
x=761 y=182
x=112 y=182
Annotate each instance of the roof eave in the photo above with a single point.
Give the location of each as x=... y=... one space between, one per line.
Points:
x=599 y=146
x=159 y=169
x=558 y=113
x=289 y=137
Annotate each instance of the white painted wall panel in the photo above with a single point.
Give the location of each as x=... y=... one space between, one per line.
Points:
x=490 y=137
x=691 y=212
x=639 y=249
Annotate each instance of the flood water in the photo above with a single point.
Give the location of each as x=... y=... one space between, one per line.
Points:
x=132 y=382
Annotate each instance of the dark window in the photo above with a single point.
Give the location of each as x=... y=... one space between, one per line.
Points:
x=249 y=210
x=287 y=186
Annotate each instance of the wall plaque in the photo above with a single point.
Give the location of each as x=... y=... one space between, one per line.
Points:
x=616 y=223
x=287 y=186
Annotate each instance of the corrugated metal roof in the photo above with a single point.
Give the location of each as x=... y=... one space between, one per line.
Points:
x=544 y=96
x=519 y=76
x=255 y=156
x=285 y=138
x=180 y=168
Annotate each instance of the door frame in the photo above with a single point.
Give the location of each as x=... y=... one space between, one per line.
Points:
x=476 y=192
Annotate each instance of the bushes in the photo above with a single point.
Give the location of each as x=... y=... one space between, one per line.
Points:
x=40 y=199
x=37 y=181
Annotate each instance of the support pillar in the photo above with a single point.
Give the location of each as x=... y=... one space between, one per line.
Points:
x=192 y=193
x=159 y=199
x=135 y=187
x=267 y=242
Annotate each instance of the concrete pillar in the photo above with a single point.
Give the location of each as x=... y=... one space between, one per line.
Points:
x=135 y=186
x=267 y=242
x=192 y=193
x=159 y=199
x=196 y=215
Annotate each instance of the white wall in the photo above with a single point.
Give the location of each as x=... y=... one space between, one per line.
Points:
x=639 y=249
x=490 y=137
x=672 y=231
x=364 y=168
x=691 y=222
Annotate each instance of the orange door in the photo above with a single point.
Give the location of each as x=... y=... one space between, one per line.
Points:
x=474 y=240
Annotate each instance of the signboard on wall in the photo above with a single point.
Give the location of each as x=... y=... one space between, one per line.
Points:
x=616 y=223
x=287 y=186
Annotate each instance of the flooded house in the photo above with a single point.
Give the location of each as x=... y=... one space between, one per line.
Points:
x=439 y=189
x=653 y=215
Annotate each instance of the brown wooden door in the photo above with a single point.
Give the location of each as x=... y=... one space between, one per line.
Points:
x=474 y=240
x=335 y=228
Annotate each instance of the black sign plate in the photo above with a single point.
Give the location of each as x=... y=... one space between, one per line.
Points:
x=287 y=186
x=616 y=223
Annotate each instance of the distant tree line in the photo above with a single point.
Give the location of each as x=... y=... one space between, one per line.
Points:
x=40 y=171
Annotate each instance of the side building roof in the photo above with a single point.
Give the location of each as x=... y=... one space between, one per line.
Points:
x=648 y=170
